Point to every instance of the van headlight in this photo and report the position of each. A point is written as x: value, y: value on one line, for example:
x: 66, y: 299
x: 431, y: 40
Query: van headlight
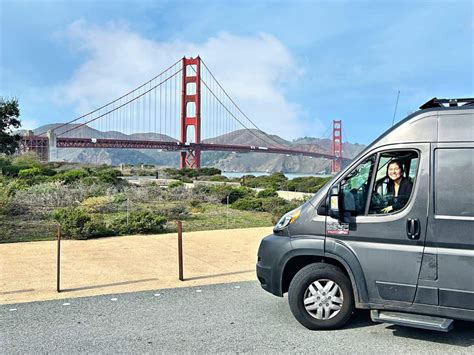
x: 287, y: 219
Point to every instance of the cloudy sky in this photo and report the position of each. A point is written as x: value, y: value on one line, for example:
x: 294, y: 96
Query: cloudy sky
x: 292, y: 66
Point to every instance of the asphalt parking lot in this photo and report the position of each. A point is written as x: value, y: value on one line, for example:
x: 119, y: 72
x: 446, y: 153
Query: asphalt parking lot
x: 231, y: 317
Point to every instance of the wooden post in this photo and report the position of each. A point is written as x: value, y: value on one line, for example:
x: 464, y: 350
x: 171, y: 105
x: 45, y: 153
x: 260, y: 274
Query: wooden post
x: 58, y: 267
x: 180, y: 250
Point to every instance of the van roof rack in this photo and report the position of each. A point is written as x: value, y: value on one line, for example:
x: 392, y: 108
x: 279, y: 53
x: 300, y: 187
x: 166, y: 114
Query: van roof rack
x: 435, y: 102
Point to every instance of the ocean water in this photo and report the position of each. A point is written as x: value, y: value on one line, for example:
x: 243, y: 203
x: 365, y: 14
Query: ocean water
x: 290, y: 176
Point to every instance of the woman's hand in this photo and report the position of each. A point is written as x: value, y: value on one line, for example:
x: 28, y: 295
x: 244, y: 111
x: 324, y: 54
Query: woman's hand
x: 387, y: 209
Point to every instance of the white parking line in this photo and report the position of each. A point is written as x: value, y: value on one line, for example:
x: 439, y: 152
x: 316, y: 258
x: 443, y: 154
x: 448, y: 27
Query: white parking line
x: 113, y: 299
x: 13, y: 309
x: 66, y: 304
x: 157, y: 294
x: 198, y: 290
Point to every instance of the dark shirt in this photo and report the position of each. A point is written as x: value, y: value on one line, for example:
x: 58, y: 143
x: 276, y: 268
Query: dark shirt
x: 404, y: 192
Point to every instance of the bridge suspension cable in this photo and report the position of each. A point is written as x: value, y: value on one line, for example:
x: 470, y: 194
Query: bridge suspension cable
x: 114, y: 101
x: 135, y: 98
x: 265, y: 135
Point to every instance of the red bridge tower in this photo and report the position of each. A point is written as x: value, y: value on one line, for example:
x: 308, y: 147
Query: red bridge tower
x: 191, y: 103
x: 336, y: 145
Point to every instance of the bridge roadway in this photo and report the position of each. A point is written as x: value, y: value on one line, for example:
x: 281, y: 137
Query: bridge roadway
x: 41, y: 144
x: 178, y: 146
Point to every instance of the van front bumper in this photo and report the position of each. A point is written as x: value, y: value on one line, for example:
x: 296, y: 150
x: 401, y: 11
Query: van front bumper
x: 270, y: 262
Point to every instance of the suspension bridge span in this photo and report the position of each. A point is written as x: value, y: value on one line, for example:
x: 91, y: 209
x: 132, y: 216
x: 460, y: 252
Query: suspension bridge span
x: 184, y: 109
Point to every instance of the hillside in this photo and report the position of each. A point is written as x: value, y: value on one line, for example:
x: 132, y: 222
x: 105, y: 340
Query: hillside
x: 226, y: 161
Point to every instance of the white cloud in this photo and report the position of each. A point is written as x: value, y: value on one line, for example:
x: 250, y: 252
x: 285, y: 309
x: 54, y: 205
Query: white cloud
x: 29, y: 124
x: 254, y: 70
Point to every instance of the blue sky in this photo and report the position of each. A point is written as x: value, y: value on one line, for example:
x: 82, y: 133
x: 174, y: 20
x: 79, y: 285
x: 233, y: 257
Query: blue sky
x: 316, y: 60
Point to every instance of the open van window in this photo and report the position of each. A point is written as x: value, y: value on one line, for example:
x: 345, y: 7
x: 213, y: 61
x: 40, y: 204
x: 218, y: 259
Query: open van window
x: 396, y: 175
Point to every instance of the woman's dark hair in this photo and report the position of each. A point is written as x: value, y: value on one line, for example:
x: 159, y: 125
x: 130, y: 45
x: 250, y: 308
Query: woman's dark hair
x: 399, y: 163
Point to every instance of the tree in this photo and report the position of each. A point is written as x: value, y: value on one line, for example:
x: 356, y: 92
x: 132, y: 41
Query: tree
x: 9, y: 113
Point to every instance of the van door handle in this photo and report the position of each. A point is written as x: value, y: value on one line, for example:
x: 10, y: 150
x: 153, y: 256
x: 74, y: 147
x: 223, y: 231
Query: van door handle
x: 413, y: 228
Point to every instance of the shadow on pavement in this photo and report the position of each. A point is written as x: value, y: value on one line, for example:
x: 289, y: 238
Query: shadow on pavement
x: 217, y: 275
x: 461, y: 335
x: 106, y: 285
x: 360, y: 319
x: 17, y: 291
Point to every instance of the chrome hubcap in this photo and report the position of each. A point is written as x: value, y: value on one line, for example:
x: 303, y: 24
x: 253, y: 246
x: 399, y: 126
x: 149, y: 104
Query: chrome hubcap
x: 323, y: 299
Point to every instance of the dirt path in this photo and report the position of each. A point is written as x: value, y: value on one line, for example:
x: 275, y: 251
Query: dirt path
x: 126, y: 264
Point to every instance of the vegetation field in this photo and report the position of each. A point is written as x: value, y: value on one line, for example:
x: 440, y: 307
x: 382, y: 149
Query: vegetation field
x: 91, y: 202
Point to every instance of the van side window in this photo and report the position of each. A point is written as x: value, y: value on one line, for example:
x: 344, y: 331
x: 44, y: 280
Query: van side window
x: 355, y: 187
x: 396, y: 175
x: 453, y: 182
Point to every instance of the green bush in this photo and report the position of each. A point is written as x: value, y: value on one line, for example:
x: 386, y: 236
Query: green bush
x: 177, y: 212
x: 248, y: 204
x: 234, y: 193
x: 209, y: 171
x: 96, y: 228
x: 75, y: 222
x: 194, y: 203
x: 78, y: 224
x: 4, y: 199
x: 29, y: 173
x: 139, y: 222
x: 310, y: 184
x: 120, y: 198
x: 267, y: 193
x: 32, y: 176
x: 72, y: 175
x: 175, y: 184
x: 99, y: 204
x: 29, y: 159
x: 271, y: 203
x: 12, y: 170
x: 108, y: 176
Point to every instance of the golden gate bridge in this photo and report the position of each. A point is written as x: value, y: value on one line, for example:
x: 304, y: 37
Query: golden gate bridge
x: 185, y: 109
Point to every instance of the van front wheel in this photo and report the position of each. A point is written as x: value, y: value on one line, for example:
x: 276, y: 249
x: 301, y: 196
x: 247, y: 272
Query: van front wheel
x: 321, y: 297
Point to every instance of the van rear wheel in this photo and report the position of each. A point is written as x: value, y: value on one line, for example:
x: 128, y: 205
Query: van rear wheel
x: 321, y: 297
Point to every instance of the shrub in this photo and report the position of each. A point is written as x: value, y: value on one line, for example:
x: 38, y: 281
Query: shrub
x: 139, y: 222
x: 194, y: 203
x: 234, y: 193
x: 108, y: 176
x: 29, y: 173
x: 29, y: 159
x: 209, y: 171
x: 100, y: 204
x: 248, y: 204
x: 4, y: 199
x: 271, y: 203
x: 267, y: 193
x: 12, y: 170
x: 32, y: 176
x: 71, y: 176
x: 175, y: 184
x: 120, y: 198
x: 75, y: 222
x: 4, y: 160
x: 218, y: 178
x: 177, y: 212
x: 96, y: 228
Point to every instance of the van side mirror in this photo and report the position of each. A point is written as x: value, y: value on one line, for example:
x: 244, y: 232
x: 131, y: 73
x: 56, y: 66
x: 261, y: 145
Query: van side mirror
x: 334, y: 198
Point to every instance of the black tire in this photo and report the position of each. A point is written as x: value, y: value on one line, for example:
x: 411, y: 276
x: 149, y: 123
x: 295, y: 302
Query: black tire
x: 299, y: 286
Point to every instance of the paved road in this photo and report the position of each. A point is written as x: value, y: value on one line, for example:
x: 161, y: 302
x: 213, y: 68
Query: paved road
x: 237, y: 317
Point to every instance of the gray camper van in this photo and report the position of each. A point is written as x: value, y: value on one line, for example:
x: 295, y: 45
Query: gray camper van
x: 393, y: 232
